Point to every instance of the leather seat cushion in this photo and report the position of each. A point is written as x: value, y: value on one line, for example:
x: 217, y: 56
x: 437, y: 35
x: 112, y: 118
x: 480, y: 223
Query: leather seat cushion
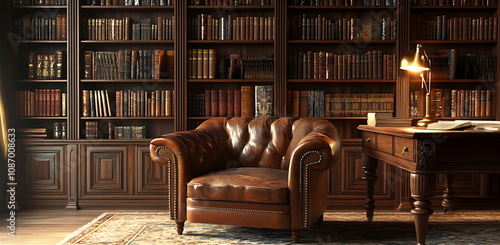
x: 246, y: 184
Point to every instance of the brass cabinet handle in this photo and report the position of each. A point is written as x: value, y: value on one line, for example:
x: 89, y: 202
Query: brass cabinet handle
x: 405, y: 150
x: 368, y: 140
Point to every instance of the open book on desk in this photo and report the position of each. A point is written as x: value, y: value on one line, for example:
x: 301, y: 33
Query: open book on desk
x: 465, y: 124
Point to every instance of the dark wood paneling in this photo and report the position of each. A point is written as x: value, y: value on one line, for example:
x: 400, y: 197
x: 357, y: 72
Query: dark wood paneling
x: 151, y: 177
x: 104, y: 171
x: 45, y: 170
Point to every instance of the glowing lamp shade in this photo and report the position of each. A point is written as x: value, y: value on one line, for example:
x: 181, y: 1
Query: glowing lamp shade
x: 415, y: 61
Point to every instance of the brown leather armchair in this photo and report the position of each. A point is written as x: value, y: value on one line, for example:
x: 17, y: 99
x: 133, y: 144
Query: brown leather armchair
x: 256, y: 172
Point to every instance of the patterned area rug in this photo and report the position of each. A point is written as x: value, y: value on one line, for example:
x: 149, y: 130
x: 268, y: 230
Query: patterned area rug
x: 337, y: 228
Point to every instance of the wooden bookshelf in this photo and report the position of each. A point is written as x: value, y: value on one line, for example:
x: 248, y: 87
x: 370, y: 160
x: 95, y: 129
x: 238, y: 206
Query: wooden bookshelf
x: 282, y: 42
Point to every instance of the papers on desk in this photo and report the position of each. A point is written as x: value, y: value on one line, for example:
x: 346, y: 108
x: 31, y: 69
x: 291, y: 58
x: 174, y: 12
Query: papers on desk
x: 466, y: 124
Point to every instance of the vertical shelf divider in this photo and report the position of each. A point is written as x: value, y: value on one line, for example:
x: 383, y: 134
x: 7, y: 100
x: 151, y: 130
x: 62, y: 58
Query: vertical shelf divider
x: 180, y: 71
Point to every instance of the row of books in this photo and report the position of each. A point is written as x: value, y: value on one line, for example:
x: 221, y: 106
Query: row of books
x: 130, y: 2
x: 342, y: 2
x: 249, y: 101
x: 232, y: 2
x: 38, y: 2
x: 126, y: 29
x: 156, y: 103
x: 40, y: 133
x: 101, y: 130
x: 41, y: 103
x: 202, y: 63
x: 317, y: 103
x: 31, y: 27
x: 480, y: 66
x: 454, y: 103
x: 46, y: 66
x: 442, y: 27
x: 444, y: 64
x: 321, y: 28
x: 129, y: 64
x: 209, y: 27
x: 454, y: 2
x: 327, y: 65
x: 127, y: 103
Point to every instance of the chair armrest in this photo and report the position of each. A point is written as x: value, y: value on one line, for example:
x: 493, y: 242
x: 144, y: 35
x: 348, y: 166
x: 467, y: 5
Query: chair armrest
x: 187, y: 155
x: 309, y: 158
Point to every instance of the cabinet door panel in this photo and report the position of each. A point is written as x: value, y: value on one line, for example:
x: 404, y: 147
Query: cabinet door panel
x: 45, y: 170
x: 104, y: 171
x: 151, y: 177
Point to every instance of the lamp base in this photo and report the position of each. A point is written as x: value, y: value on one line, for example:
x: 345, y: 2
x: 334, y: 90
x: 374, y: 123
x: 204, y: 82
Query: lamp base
x: 426, y: 121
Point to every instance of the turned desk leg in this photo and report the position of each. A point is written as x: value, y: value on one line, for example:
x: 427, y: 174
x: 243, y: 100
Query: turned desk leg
x: 370, y: 165
x: 422, y: 188
x: 449, y: 203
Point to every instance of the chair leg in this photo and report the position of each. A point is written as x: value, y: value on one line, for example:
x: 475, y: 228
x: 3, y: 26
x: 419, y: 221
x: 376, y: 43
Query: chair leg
x: 296, y: 235
x: 180, y: 227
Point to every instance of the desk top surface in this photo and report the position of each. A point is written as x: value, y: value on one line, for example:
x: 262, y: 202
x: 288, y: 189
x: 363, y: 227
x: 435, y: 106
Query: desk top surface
x: 420, y: 132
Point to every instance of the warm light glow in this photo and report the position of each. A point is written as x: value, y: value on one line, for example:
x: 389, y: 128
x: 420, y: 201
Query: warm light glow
x: 3, y: 122
x: 415, y: 62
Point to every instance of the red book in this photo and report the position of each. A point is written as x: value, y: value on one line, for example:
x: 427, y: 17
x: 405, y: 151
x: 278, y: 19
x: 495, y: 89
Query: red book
x: 230, y: 103
x: 237, y: 103
x: 214, y: 103
x: 222, y: 103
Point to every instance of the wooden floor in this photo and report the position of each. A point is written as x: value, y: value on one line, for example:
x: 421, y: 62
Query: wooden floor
x: 47, y: 226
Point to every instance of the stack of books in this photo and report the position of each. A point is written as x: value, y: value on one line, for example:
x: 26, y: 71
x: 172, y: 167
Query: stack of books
x: 40, y: 133
x: 385, y: 119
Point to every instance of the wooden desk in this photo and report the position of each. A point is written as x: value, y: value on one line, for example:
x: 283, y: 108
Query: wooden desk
x: 424, y: 153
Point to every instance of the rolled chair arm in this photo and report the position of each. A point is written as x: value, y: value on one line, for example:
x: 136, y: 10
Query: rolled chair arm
x: 188, y: 155
x: 308, y: 161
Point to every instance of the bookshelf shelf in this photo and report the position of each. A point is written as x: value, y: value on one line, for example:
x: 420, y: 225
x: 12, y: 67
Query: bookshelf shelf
x: 230, y: 81
x: 39, y: 7
x: 311, y: 42
x: 454, y: 8
x: 127, y: 118
x: 231, y: 8
x: 127, y: 42
x: 44, y: 41
x: 45, y: 118
x: 127, y: 81
x: 457, y: 80
x: 342, y: 8
x: 128, y: 8
x: 41, y: 81
x: 231, y: 42
x: 448, y: 42
x: 341, y: 80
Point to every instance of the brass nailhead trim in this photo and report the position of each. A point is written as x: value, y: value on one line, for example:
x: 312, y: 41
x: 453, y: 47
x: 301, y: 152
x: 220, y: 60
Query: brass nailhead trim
x: 239, y: 209
x: 306, y: 181
x: 172, y: 206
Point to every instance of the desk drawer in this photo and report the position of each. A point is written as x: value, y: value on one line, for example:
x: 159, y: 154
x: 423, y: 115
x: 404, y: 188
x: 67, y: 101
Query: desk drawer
x: 385, y: 143
x: 369, y: 140
x: 404, y: 148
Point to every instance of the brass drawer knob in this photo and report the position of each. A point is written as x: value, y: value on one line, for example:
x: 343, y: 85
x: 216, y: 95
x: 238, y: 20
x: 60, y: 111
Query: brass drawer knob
x: 405, y: 150
x: 368, y: 140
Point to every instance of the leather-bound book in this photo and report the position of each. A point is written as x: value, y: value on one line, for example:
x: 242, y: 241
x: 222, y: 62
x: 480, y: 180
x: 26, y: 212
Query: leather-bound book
x: 230, y: 103
x: 303, y: 101
x: 214, y: 105
x: 237, y: 103
x: 295, y: 103
x: 32, y: 62
x: 264, y: 100
x: 247, y: 101
x: 168, y: 103
x: 212, y: 64
x: 57, y: 102
x: 208, y: 103
x: 222, y: 103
